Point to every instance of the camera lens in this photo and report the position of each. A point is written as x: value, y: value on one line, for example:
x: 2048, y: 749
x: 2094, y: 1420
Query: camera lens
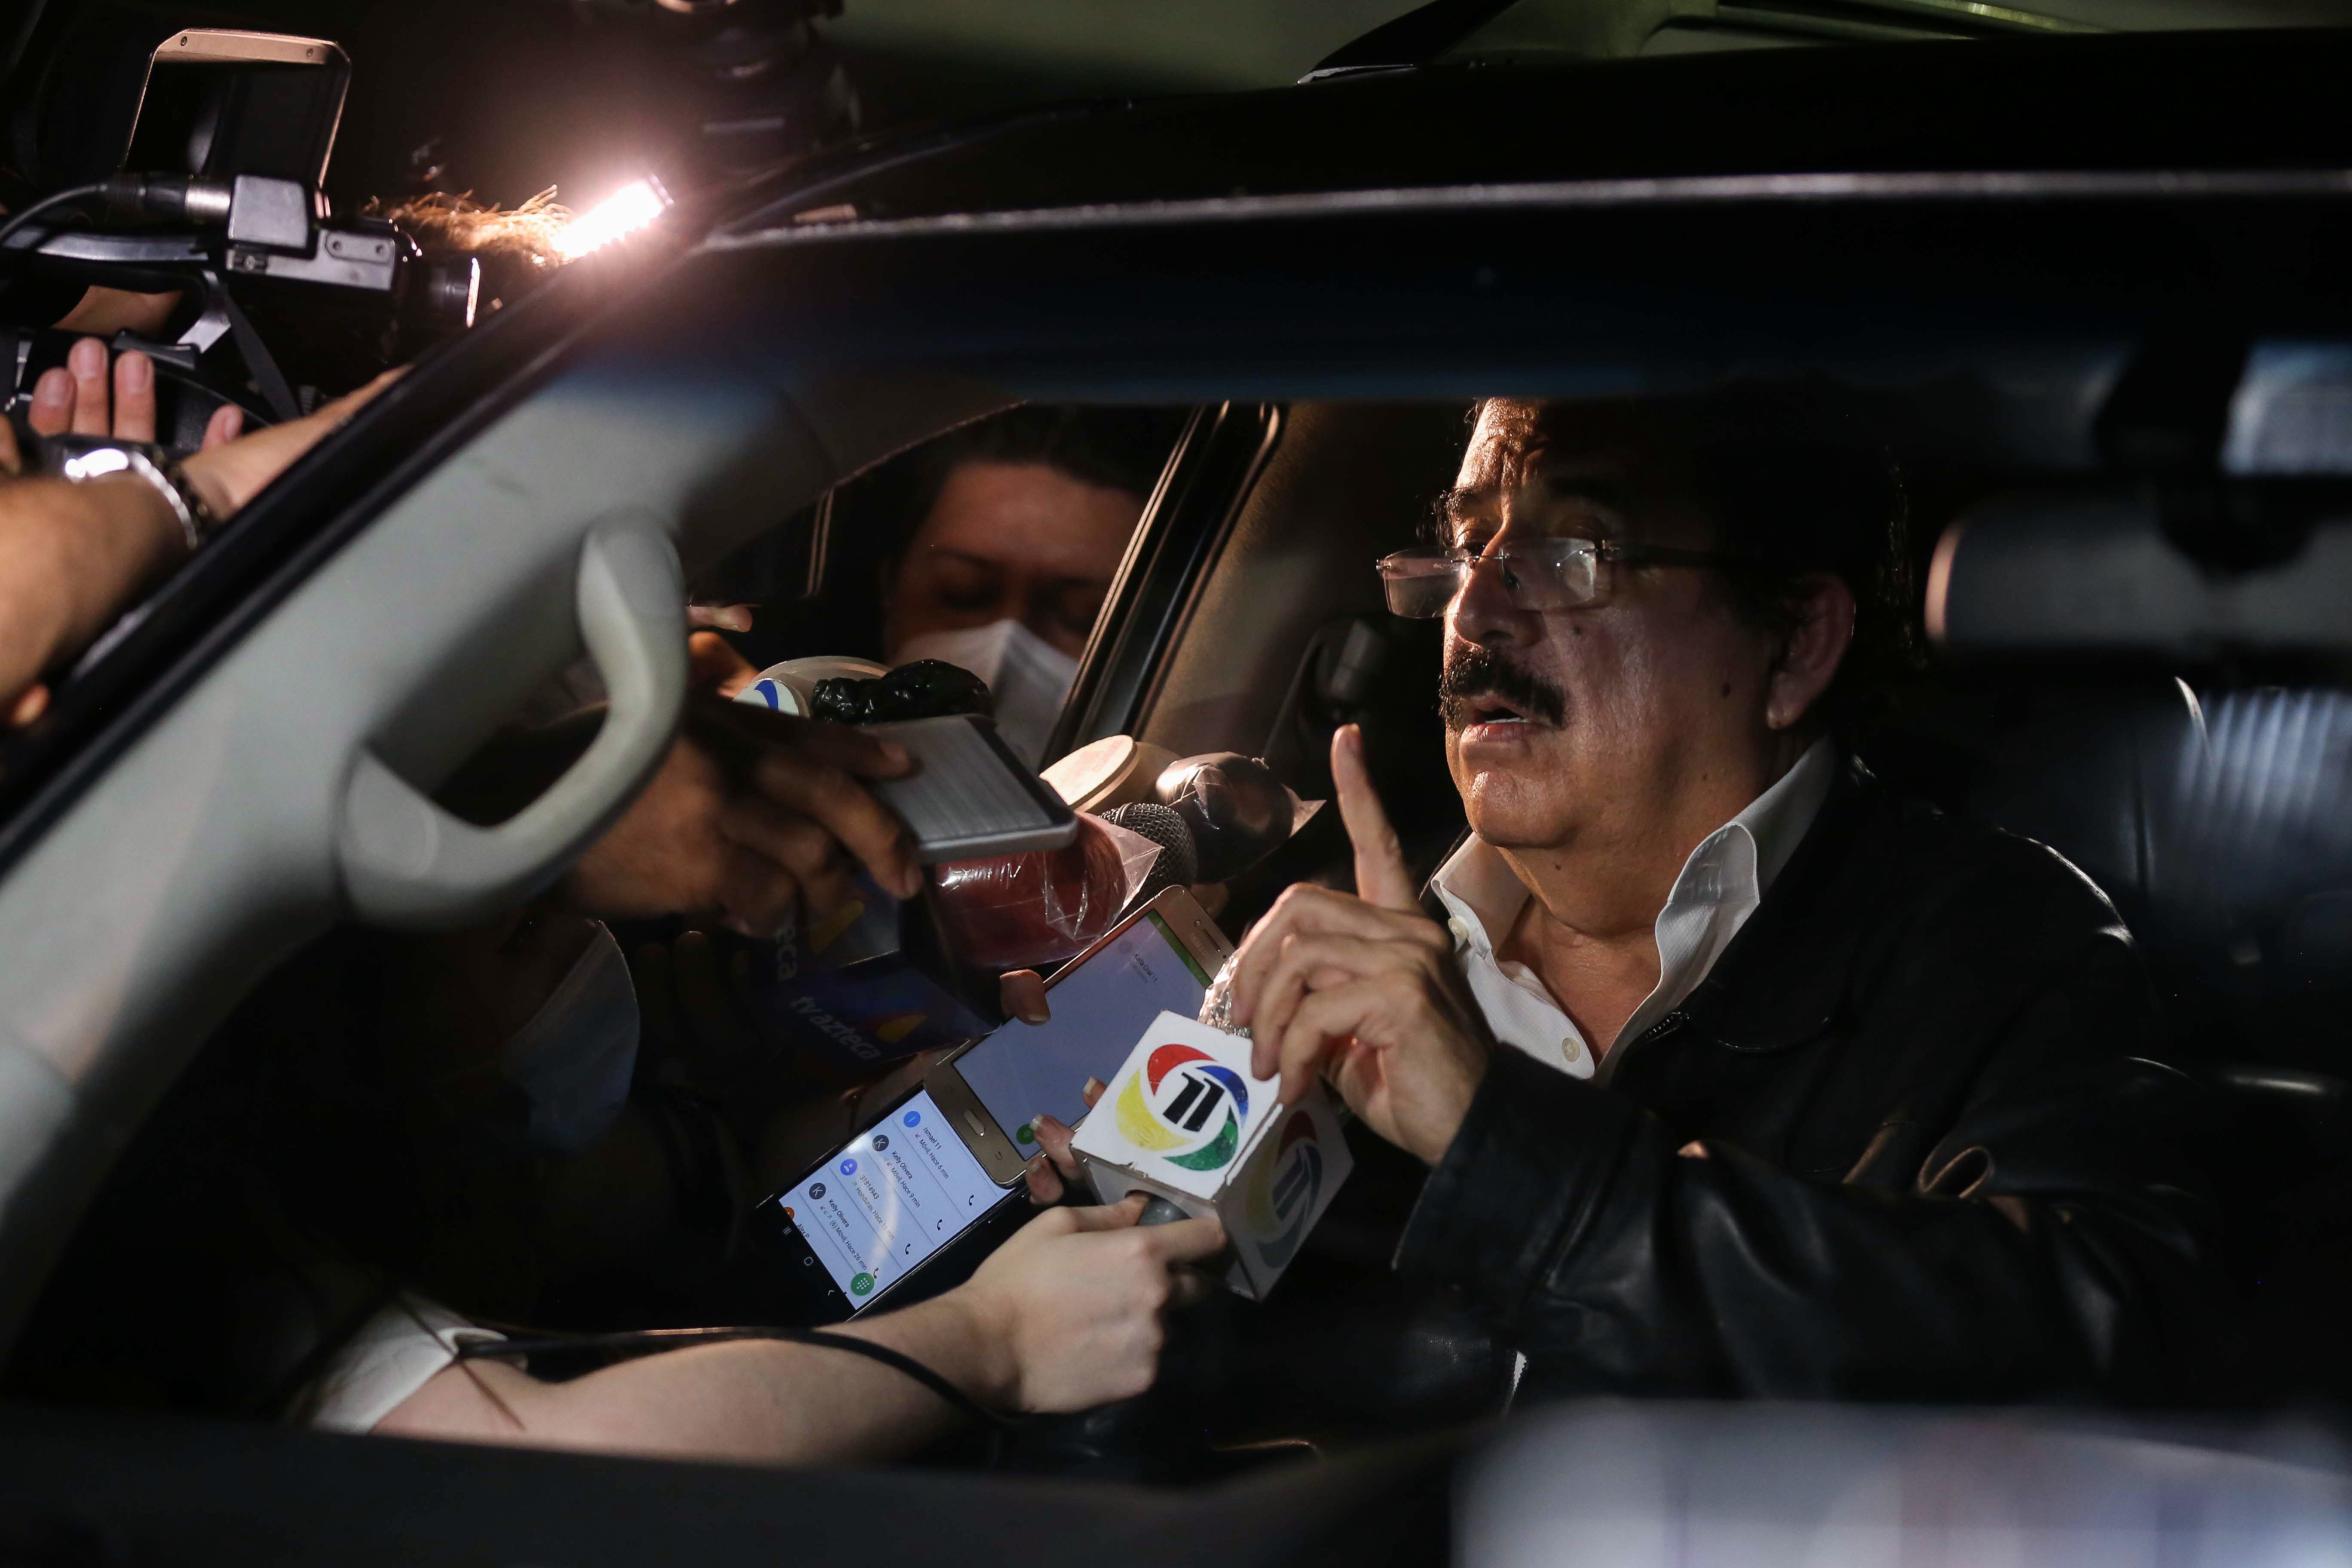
x: 442, y: 295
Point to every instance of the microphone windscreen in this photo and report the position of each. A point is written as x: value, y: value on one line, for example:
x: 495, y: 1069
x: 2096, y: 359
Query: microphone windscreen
x: 1179, y: 861
x: 1238, y: 811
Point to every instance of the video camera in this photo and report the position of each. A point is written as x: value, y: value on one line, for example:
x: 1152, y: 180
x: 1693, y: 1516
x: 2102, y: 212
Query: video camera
x: 152, y: 156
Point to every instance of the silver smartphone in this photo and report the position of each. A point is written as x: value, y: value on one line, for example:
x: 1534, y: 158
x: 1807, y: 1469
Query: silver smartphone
x: 946, y: 1158
x: 968, y: 795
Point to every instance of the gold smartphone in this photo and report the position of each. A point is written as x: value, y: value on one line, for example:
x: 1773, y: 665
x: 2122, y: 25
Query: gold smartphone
x: 1159, y: 958
x: 944, y: 1162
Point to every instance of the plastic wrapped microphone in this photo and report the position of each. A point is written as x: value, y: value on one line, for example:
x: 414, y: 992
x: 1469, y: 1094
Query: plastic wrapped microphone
x: 1014, y: 911
x: 1179, y: 862
x: 1239, y: 812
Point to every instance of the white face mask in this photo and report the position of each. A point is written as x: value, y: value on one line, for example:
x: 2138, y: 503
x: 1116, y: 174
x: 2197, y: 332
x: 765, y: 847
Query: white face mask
x: 573, y: 1060
x: 1028, y: 676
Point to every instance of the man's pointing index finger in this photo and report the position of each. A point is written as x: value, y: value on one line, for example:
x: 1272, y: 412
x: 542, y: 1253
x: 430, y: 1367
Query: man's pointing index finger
x: 1380, y: 874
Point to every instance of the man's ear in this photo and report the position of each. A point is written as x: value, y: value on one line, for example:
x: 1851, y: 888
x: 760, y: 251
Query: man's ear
x: 1812, y: 651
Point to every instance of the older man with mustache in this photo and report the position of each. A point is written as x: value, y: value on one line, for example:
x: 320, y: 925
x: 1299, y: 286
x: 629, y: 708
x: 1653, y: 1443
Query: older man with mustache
x: 1734, y: 1073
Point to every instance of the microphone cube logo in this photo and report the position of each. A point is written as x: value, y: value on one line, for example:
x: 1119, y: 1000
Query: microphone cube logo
x: 1283, y: 1189
x: 1184, y: 1119
x: 1185, y: 1107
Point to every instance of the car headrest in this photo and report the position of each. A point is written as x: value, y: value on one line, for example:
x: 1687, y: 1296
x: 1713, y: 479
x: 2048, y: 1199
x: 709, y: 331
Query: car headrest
x: 2088, y: 573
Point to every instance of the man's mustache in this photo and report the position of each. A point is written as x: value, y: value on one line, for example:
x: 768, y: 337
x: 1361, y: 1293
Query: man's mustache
x: 1472, y: 670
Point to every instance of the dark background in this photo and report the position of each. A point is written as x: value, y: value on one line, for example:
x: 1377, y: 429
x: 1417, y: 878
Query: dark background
x: 585, y: 95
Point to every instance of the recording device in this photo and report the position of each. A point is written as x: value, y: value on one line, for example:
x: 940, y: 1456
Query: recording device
x: 968, y: 795
x: 1237, y: 811
x: 1191, y: 1127
x: 1218, y: 814
x: 1178, y: 864
x: 906, y: 1209
x: 171, y: 158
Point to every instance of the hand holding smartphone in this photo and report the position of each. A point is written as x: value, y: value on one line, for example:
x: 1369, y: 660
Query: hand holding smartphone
x: 947, y: 1159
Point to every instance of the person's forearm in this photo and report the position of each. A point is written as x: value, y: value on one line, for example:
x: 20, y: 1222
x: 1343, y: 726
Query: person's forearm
x: 755, y: 1401
x: 72, y: 557
x: 949, y: 1335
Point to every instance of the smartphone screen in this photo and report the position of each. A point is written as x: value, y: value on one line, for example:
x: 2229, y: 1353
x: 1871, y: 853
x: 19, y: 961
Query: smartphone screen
x: 894, y: 1196
x: 1099, y: 1010
x: 968, y: 795
x: 900, y: 1192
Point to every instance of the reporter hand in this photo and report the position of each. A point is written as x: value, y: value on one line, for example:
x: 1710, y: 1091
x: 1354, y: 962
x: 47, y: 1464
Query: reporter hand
x: 1364, y: 988
x: 72, y: 557
x: 1051, y: 1173
x: 1072, y: 1309
x: 1022, y: 995
x: 1054, y: 1170
x: 76, y: 397
x: 754, y: 816
x: 712, y: 663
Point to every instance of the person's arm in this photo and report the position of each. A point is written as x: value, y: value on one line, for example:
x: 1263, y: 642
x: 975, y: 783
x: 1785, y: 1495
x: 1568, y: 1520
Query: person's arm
x: 73, y: 556
x: 1065, y: 1316
x: 753, y: 818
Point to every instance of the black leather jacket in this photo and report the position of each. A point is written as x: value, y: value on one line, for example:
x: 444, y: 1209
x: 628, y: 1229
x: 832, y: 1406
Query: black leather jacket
x: 1938, y: 1161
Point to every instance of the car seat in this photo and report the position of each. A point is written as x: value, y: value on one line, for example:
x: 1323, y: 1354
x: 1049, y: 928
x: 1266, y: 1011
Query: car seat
x: 2220, y: 825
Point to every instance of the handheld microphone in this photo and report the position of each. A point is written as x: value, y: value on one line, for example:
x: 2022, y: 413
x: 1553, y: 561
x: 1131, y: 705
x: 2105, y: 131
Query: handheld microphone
x: 1179, y: 861
x: 1239, y: 812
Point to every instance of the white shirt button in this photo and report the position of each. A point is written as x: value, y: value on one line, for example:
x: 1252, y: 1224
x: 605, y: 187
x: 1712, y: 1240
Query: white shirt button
x: 1571, y: 1050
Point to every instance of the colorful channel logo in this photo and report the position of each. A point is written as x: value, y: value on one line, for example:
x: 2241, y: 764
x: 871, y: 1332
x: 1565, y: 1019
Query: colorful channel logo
x: 1185, y: 1108
x: 1282, y: 1190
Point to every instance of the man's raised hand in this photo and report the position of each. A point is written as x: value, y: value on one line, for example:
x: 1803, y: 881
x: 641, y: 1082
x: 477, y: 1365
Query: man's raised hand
x: 1364, y: 988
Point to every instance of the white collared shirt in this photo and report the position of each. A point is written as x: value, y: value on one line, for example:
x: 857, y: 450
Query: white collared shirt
x: 1721, y: 883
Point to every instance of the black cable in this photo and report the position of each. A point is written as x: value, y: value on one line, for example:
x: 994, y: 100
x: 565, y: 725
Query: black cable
x: 72, y: 193
x: 133, y: 198
x: 672, y: 1339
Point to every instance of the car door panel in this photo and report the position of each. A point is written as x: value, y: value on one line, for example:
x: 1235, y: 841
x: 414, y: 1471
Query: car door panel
x: 209, y: 851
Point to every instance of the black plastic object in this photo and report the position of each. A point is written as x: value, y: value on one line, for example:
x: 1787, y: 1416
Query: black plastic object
x: 1238, y: 811
x: 1179, y: 863
x: 926, y: 688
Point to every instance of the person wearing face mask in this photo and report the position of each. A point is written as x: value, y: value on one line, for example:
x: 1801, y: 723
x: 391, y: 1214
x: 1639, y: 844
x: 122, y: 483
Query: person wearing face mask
x: 1024, y: 519
x: 572, y: 1060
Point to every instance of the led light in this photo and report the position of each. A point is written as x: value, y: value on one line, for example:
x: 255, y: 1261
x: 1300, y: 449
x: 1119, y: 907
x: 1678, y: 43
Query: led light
x: 626, y: 211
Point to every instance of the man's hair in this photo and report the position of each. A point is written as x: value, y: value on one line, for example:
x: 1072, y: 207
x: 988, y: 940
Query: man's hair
x: 1797, y: 481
